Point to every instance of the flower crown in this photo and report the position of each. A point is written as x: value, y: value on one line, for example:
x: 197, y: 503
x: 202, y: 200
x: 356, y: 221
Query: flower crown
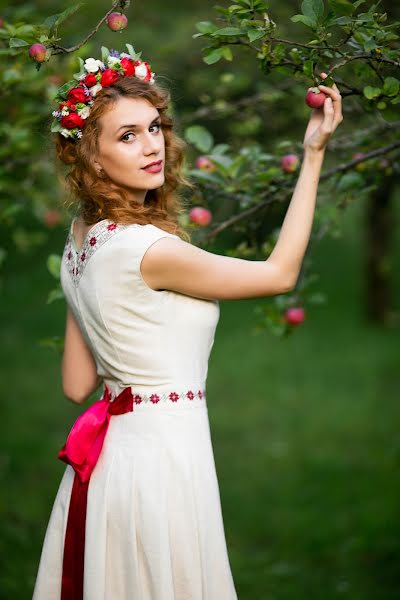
x: 76, y: 99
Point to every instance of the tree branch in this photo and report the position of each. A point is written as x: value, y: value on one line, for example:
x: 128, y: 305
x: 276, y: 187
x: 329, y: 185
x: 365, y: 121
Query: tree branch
x: 117, y: 4
x: 325, y: 175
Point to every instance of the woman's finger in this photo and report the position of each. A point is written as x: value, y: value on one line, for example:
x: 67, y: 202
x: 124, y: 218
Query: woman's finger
x: 335, y: 95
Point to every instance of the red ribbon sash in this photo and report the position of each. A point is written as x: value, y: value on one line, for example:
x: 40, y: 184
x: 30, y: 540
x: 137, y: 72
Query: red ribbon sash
x: 81, y: 451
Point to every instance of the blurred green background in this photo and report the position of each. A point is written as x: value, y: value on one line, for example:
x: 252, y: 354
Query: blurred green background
x: 305, y: 429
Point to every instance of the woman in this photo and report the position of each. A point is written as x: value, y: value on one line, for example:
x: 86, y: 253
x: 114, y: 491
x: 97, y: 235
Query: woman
x: 142, y: 309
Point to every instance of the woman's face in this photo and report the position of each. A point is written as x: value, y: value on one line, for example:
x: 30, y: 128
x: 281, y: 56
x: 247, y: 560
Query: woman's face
x: 131, y: 138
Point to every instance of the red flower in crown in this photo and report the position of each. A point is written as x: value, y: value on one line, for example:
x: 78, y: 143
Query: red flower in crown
x: 108, y: 77
x: 77, y: 94
x: 72, y: 120
x: 70, y: 105
x: 90, y: 79
x: 128, y: 66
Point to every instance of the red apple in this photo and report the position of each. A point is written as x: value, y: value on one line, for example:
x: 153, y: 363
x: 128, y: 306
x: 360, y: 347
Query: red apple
x: 361, y: 166
x: 294, y: 315
x: 289, y: 163
x: 315, y: 98
x: 200, y: 215
x: 204, y: 163
x: 117, y: 21
x: 52, y: 217
x: 38, y: 52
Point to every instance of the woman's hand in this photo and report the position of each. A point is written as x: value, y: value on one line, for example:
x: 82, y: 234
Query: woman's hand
x: 324, y: 120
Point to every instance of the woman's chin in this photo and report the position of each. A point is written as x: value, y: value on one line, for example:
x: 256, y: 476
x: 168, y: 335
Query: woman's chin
x: 159, y: 180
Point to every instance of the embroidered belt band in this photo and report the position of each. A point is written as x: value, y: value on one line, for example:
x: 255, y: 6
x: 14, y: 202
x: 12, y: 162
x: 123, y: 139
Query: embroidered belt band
x: 82, y: 450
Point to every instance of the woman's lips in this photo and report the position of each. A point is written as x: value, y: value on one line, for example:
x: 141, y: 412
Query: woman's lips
x: 154, y: 168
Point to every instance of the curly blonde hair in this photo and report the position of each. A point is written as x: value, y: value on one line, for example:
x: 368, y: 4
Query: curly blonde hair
x: 101, y: 198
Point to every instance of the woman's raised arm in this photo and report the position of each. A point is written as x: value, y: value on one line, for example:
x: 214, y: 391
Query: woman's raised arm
x: 179, y: 266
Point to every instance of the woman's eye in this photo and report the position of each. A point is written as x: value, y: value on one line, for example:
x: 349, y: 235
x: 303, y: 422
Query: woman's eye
x: 130, y: 133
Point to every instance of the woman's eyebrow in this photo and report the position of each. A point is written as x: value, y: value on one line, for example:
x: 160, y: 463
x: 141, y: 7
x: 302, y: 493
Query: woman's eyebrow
x: 137, y: 126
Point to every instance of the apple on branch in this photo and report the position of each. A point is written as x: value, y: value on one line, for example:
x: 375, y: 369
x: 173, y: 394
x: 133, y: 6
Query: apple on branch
x: 200, y: 215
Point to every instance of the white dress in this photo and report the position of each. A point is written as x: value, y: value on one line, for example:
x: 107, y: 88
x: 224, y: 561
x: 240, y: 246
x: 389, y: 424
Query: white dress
x: 154, y: 527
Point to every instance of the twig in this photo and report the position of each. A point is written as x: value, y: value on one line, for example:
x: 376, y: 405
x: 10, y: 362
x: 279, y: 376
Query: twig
x: 60, y: 49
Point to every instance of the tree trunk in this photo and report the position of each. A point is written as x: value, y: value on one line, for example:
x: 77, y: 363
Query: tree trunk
x: 379, y: 231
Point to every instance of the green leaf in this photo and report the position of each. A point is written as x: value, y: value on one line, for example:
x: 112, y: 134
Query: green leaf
x: 213, y: 56
x: 206, y: 27
x: 131, y: 51
x: 318, y: 7
x: 200, y: 137
x: 229, y: 31
x: 370, y: 44
x: 342, y: 7
x: 371, y: 92
x: 17, y: 42
x: 254, y: 34
x: 56, y: 126
x: 350, y: 181
x: 221, y: 149
x: 391, y: 86
x: 227, y: 53
x: 308, y: 68
x: 56, y: 294
x: 305, y: 20
x: 307, y: 9
x: 66, y: 13
x: 49, y: 22
x: 64, y: 89
x: 343, y: 21
x: 54, y: 265
x: 105, y: 53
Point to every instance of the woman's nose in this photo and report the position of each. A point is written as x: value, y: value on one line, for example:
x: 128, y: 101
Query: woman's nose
x: 152, y: 143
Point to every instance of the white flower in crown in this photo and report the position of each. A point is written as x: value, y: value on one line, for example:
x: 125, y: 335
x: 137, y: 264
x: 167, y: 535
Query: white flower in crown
x: 64, y: 112
x: 141, y: 71
x: 66, y: 133
x: 96, y: 88
x: 84, y: 112
x: 125, y: 55
x: 113, y: 60
x: 92, y: 65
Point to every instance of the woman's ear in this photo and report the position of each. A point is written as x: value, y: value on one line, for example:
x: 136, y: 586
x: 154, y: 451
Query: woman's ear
x: 99, y: 168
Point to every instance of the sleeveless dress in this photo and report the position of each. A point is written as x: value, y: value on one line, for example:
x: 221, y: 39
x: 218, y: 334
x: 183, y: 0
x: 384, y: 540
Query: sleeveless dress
x: 153, y: 528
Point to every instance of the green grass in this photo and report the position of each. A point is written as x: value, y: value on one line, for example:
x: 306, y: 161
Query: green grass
x: 305, y: 436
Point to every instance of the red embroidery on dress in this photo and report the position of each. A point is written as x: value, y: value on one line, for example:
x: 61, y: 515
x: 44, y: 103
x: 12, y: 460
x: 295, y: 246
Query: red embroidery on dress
x: 165, y: 396
x: 103, y: 230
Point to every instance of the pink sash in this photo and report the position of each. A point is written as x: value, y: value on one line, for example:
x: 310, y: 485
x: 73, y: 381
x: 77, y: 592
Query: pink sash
x: 81, y: 451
